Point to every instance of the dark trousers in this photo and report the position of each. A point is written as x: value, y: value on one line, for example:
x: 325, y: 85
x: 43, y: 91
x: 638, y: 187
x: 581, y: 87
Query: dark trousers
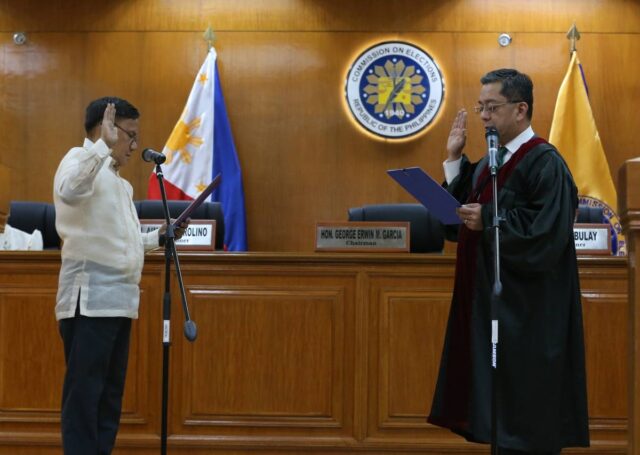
x: 96, y: 351
x: 502, y: 451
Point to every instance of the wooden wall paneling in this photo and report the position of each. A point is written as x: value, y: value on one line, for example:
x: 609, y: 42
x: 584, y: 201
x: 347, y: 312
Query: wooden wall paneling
x: 612, y: 93
x: 14, y: 92
x: 31, y: 355
x: 630, y: 226
x: 283, y: 76
x: 96, y: 16
x: 142, y: 395
x: 407, y: 332
x: 329, y: 353
x: 351, y: 163
x: 331, y: 164
x: 312, y: 15
x: 79, y: 70
x: 332, y: 169
x: 261, y: 330
x: 273, y: 361
x: 168, y: 67
x: 407, y: 322
x: 545, y: 58
x: 604, y: 296
x: 629, y: 206
x: 9, y: 116
x: 32, y: 362
x: 28, y: 359
x: 604, y: 293
x: 53, y: 108
x: 284, y: 119
x: 116, y: 65
x: 141, y: 414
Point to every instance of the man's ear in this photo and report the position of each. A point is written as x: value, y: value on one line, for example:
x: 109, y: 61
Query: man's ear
x: 523, y: 109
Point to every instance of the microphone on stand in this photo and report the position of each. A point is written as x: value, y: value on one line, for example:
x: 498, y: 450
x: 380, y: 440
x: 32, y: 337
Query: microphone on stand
x: 151, y: 155
x: 491, y: 133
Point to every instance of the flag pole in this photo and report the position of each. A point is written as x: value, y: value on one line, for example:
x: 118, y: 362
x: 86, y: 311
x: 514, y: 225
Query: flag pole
x: 209, y: 36
x: 573, y: 35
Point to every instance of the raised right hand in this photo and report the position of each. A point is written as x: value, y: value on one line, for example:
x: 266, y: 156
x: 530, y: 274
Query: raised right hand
x: 457, y: 136
x: 109, y: 132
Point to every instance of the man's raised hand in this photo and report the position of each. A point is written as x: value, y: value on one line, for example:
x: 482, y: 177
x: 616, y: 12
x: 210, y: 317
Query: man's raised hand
x: 109, y: 132
x: 457, y: 136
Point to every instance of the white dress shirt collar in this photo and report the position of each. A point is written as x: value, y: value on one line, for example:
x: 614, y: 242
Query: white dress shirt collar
x: 514, y: 144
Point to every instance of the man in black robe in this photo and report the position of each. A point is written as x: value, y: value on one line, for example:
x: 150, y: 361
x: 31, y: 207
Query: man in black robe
x: 541, y: 382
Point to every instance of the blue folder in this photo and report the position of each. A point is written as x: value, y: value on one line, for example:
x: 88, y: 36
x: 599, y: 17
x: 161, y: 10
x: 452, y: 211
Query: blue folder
x: 428, y: 192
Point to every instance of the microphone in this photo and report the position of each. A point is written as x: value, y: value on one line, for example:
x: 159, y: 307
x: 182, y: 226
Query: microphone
x: 491, y: 133
x: 151, y: 155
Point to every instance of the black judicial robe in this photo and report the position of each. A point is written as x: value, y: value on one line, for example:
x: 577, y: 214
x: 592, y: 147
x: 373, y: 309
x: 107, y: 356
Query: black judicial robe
x: 542, y: 402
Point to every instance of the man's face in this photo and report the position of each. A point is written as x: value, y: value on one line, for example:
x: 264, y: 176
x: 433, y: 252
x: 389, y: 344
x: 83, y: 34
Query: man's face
x: 508, y: 116
x: 127, y: 140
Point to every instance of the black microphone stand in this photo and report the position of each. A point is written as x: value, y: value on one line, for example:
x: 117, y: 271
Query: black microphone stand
x: 190, y: 329
x: 497, y: 291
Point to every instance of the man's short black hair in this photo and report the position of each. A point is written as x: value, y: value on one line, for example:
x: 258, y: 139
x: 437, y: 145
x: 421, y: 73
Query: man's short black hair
x: 516, y: 86
x: 95, y: 111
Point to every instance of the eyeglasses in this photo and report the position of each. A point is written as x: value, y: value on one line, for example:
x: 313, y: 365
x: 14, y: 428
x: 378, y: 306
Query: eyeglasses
x: 491, y: 108
x: 132, y: 136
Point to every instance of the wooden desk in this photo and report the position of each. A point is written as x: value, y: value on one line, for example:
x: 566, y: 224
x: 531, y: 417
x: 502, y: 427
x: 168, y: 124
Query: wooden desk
x: 296, y: 353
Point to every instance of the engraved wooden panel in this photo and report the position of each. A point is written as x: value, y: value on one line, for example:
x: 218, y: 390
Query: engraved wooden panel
x: 29, y: 354
x: 629, y: 206
x: 141, y: 415
x: 30, y: 348
x: 32, y: 359
x: 274, y: 356
x: 140, y: 388
x: 407, y: 322
x: 604, y: 297
x: 261, y: 330
x: 318, y: 353
x: 631, y: 225
x: 411, y: 332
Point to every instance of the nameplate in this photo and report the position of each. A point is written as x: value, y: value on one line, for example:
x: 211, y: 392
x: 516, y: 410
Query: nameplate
x: 592, y: 238
x: 199, y: 235
x: 381, y: 236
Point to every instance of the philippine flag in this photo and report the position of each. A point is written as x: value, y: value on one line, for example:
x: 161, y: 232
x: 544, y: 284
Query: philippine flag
x: 201, y: 146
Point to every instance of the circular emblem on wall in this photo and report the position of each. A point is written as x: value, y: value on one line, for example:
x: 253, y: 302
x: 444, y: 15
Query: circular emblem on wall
x: 618, y: 243
x: 394, y: 89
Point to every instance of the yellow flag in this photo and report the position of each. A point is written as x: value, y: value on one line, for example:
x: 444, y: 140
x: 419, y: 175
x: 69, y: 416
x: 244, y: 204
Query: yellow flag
x: 574, y: 133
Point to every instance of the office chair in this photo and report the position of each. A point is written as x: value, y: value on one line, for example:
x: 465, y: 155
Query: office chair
x: 427, y: 234
x: 27, y: 216
x: 587, y: 214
